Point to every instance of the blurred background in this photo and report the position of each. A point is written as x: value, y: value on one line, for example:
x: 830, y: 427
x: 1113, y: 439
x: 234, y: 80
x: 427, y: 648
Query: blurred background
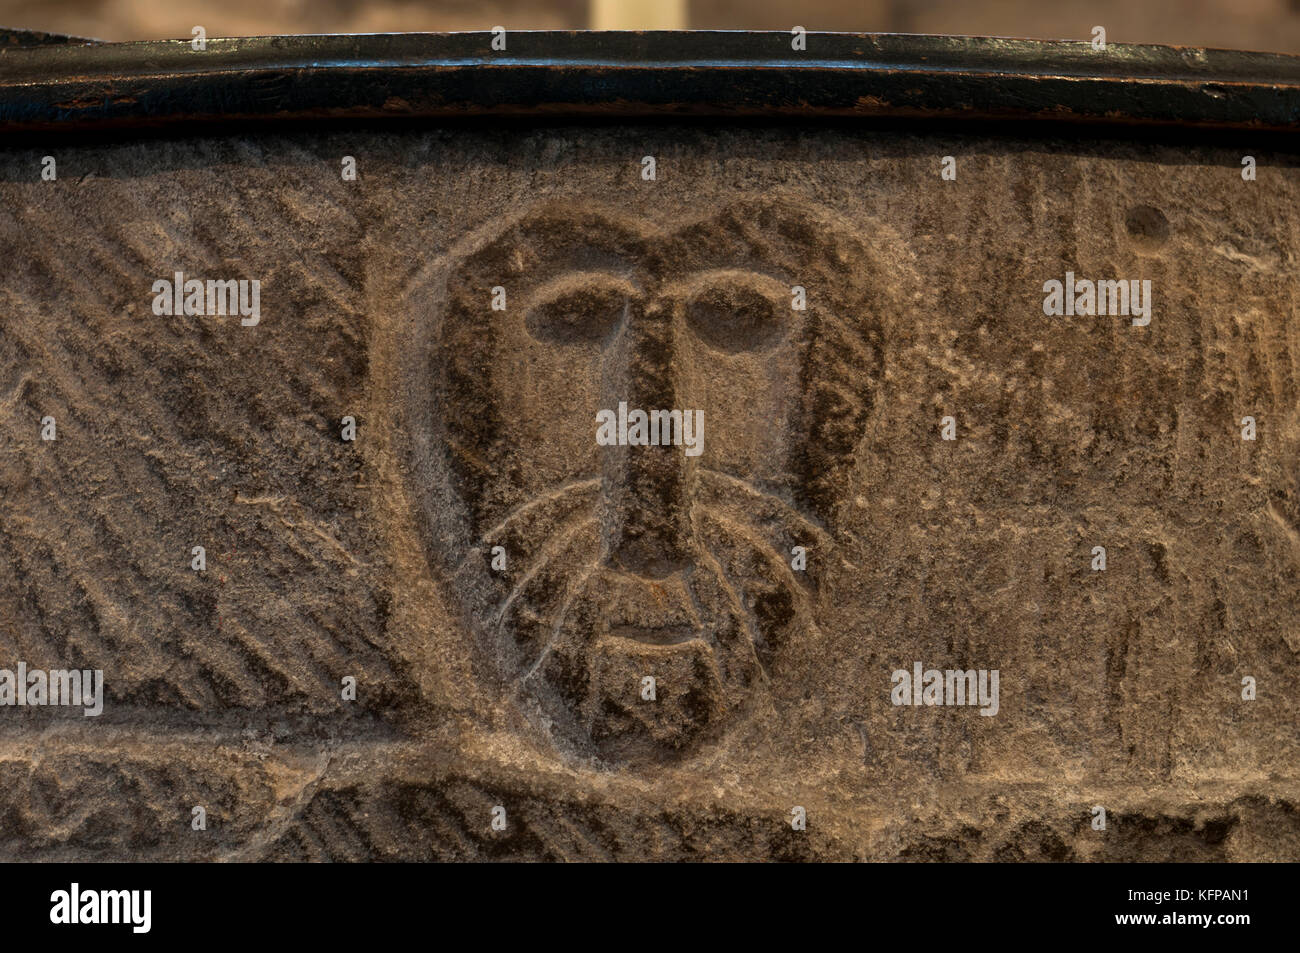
x: 1272, y: 25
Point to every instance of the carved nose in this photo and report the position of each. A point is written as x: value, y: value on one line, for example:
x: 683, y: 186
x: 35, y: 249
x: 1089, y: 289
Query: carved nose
x: 647, y: 507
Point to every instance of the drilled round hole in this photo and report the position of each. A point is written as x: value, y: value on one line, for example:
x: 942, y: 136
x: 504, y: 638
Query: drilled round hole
x: 1147, y: 226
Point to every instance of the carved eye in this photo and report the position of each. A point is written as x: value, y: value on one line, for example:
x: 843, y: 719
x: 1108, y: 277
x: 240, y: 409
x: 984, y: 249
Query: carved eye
x: 578, y: 309
x: 733, y: 315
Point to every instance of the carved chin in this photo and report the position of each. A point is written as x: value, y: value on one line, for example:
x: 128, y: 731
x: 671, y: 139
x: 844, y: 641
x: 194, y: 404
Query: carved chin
x: 639, y: 666
x: 632, y: 697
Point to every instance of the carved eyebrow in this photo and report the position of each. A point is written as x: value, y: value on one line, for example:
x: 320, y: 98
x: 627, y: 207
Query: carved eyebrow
x: 775, y: 289
x: 574, y: 282
x: 692, y: 284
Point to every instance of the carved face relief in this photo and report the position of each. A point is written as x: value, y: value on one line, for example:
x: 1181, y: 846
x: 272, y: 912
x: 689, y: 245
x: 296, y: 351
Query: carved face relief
x: 670, y: 561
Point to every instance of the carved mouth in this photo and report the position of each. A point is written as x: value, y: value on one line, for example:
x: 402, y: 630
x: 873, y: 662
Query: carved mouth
x: 655, y: 635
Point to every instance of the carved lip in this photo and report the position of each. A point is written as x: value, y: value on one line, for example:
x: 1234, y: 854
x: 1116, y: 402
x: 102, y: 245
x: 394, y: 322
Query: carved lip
x: 655, y: 635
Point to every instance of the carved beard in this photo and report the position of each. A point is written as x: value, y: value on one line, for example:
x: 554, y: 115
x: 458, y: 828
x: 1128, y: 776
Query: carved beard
x: 584, y: 634
x: 631, y: 563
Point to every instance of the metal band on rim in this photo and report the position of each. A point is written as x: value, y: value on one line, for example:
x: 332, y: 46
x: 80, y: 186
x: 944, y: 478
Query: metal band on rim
x: 64, y: 83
